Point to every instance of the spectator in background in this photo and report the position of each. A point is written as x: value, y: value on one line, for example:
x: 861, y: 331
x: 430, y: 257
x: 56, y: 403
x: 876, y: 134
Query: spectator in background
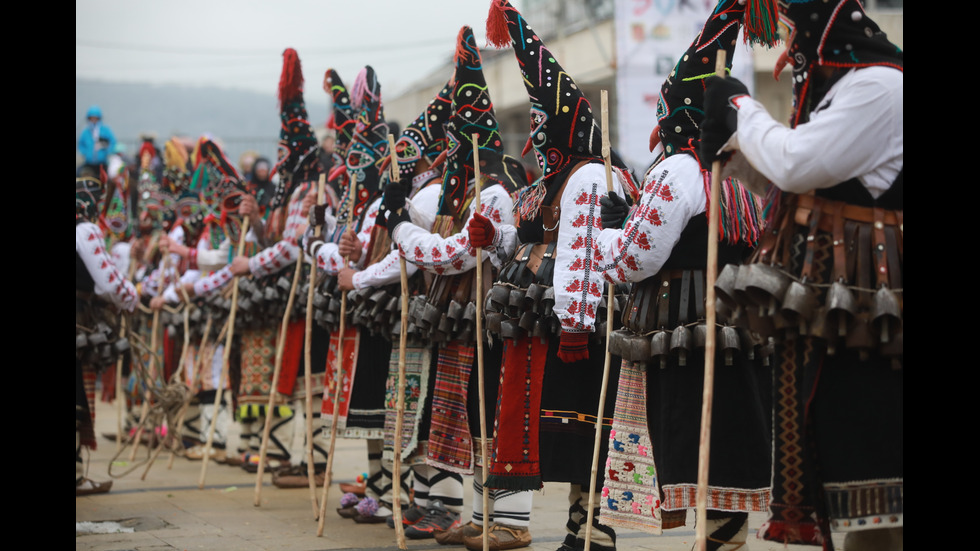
x: 95, y: 143
x: 246, y: 160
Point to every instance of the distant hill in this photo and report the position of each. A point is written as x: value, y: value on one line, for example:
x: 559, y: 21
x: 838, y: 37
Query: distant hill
x: 241, y: 120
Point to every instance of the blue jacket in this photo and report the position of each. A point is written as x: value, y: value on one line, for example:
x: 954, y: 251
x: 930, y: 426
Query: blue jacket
x: 90, y: 150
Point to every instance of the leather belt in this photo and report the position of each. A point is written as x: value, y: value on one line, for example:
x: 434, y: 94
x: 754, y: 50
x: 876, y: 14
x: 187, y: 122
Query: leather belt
x: 828, y: 211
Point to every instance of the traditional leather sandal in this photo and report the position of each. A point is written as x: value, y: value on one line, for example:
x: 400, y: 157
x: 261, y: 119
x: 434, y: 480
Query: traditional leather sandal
x: 500, y: 537
x: 456, y: 534
x: 86, y: 486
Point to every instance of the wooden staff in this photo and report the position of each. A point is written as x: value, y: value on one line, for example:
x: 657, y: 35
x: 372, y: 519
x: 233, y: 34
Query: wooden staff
x: 154, y: 342
x: 479, y: 344
x: 610, y: 312
x: 338, y: 374
x: 396, y: 486
x: 321, y: 191
x: 704, y: 450
x: 276, y: 371
x: 120, y: 399
x: 198, y: 363
x: 226, y: 358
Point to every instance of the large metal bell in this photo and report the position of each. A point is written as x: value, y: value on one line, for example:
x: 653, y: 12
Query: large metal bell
x: 430, y: 315
x: 469, y: 312
x: 455, y: 310
x: 765, y: 285
x: 516, y: 301
x: 660, y: 347
x: 493, y: 320
x: 616, y: 339
x: 270, y: 294
x: 497, y: 298
x: 860, y: 337
x: 532, y: 298
x: 121, y: 345
x: 700, y: 335
x: 725, y: 285
x: 841, y: 306
x: 510, y: 329
x: 284, y: 283
x: 681, y: 342
x: 547, y: 301
x: 635, y: 348
x: 799, y: 304
x: 886, y: 314
x: 729, y: 343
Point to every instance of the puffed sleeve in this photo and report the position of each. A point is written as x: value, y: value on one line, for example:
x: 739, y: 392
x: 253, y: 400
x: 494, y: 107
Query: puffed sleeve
x: 578, y: 280
x: 454, y: 254
x: 673, y: 193
x: 110, y: 283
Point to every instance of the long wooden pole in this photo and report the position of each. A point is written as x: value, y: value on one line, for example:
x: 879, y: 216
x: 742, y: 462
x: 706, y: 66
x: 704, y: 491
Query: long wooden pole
x: 321, y: 191
x: 229, y: 339
x: 475, y: 138
x: 704, y: 450
x: 154, y: 343
x: 276, y: 372
x: 610, y: 317
x: 120, y: 399
x: 396, y: 486
x: 197, y: 377
x: 338, y: 373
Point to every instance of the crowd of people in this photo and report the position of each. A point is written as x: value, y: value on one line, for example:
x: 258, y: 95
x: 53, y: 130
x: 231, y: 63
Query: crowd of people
x: 465, y: 319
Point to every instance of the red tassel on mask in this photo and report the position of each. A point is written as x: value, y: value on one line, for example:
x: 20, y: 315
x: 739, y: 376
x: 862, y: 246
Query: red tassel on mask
x: 460, y: 49
x: 497, y: 33
x: 291, y: 80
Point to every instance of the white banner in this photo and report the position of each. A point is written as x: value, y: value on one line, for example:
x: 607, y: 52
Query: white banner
x: 651, y: 36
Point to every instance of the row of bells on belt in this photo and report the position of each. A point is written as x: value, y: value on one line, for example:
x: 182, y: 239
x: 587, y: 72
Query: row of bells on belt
x: 513, y: 312
x: 687, y: 340
x: 375, y: 310
x: 263, y: 301
x: 770, y: 302
x: 100, y: 345
x: 428, y: 323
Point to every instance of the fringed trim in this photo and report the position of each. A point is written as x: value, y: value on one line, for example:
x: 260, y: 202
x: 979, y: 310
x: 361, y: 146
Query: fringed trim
x: 291, y: 80
x: 528, y: 203
x: 741, y: 211
x: 444, y: 225
x: 761, y: 22
x: 517, y: 483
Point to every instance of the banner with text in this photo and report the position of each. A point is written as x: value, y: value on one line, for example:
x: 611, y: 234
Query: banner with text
x: 651, y: 35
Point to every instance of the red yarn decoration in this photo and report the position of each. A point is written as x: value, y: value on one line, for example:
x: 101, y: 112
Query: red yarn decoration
x: 291, y: 81
x: 497, y: 33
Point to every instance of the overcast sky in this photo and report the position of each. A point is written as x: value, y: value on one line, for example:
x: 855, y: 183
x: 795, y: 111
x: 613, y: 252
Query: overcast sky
x: 239, y: 43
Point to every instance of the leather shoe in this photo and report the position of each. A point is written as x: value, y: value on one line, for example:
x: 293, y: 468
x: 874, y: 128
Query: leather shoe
x: 356, y: 489
x: 500, y: 537
x: 86, y: 486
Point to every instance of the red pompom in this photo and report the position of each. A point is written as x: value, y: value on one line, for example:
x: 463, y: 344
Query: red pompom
x: 497, y: 33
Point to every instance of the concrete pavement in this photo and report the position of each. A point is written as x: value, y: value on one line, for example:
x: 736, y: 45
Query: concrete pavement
x: 160, y: 506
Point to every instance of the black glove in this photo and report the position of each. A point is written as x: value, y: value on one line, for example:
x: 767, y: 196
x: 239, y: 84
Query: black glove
x: 394, y: 199
x: 396, y: 217
x: 720, y: 116
x: 613, y: 210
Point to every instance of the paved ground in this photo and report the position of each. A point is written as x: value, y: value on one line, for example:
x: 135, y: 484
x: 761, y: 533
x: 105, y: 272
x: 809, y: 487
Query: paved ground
x: 161, y: 506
